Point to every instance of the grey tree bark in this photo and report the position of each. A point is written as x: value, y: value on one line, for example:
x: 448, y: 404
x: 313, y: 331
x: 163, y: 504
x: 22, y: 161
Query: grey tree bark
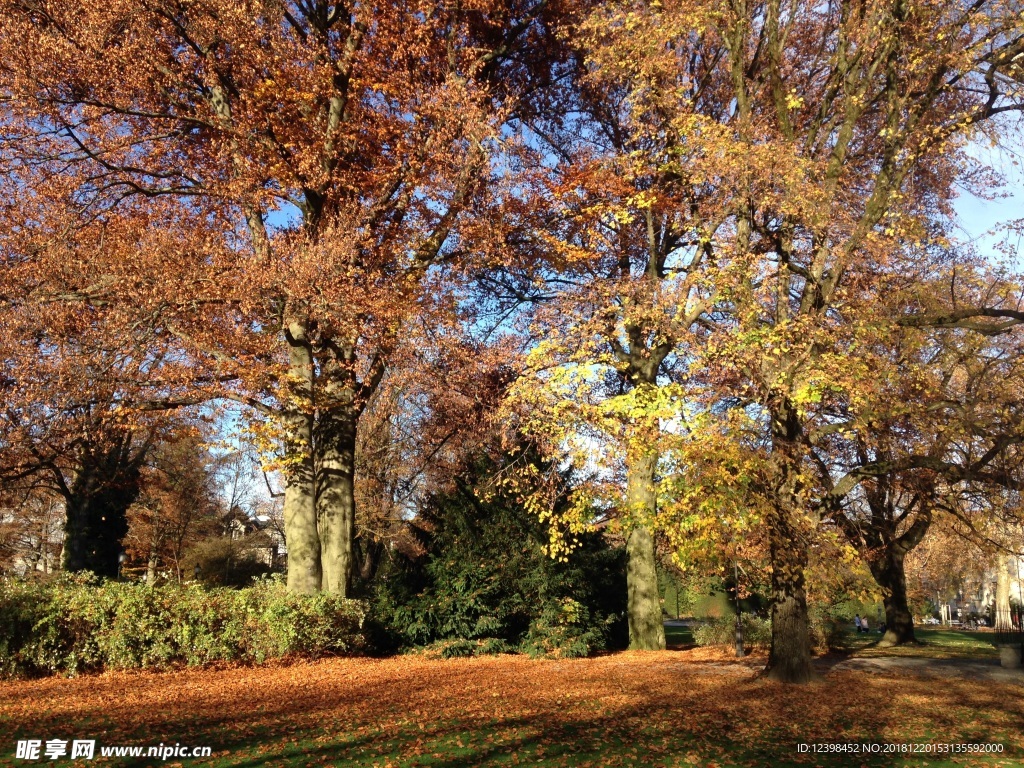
x: 304, y: 565
x: 335, y: 501
x: 646, y: 630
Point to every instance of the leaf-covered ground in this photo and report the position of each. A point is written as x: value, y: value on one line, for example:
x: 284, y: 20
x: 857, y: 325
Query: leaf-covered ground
x: 657, y: 709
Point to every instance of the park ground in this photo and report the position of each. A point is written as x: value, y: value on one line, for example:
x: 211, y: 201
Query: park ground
x: 695, y: 707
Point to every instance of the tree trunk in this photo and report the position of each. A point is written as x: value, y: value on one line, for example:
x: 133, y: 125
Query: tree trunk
x: 368, y: 555
x: 789, y: 660
x: 646, y: 629
x: 151, y: 568
x: 304, y: 570
x: 335, y: 500
x: 97, y: 503
x: 93, y: 532
x: 899, y: 623
x: 77, y: 535
x: 155, y: 540
x: 1003, y: 619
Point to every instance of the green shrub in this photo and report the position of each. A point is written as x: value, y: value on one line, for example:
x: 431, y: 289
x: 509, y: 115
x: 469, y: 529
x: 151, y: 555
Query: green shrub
x: 79, y: 624
x: 757, y: 632
x: 828, y: 621
x: 566, y: 630
x: 453, y: 649
x: 826, y: 629
x: 486, y: 579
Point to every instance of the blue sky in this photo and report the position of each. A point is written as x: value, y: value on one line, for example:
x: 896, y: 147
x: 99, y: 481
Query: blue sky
x: 981, y: 220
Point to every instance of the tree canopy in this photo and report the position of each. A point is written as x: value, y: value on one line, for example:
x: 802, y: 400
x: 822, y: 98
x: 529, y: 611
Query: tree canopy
x: 702, y: 257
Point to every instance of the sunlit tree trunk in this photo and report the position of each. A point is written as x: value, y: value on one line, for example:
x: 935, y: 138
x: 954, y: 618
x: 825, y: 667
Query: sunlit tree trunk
x: 335, y: 501
x: 304, y: 569
x: 151, y: 563
x: 790, y: 657
x: 646, y: 630
x: 1002, y: 617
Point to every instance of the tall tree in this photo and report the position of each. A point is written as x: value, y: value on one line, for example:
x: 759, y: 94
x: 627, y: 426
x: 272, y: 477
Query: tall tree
x: 177, y: 504
x: 276, y: 186
x: 618, y: 291
x: 834, y: 145
x: 947, y: 436
x: 70, y: 427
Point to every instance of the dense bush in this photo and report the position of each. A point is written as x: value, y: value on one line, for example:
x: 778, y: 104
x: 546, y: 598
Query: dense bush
x: 486, y: 585
x: 78, y: 624
x: 826, y: 631
x: 228, y: 562
x: 828, y: 622
x: 757, y: 632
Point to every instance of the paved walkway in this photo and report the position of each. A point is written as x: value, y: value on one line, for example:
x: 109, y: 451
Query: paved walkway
x: 971, y: 669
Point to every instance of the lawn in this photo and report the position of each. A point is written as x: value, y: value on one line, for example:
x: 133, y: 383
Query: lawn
x: 934, y: 644
x: 628, y: 709
x: 675, y: 636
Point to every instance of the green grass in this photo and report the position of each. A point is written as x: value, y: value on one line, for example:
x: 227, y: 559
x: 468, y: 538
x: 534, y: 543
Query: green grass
x: 678, y: 636
x: 941, y: 643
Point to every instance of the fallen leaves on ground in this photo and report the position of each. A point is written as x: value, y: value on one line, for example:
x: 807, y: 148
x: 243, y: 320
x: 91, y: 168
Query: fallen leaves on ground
x: 665, y: 709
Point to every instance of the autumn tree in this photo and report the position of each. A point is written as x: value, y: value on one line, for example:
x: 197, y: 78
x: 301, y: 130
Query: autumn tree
x: 70, y: 429
x: 432, y: 416
x: 946, y: 443
x: 831, y: 152
x: 276, y: 187
x: 177, y: 504
x: 616, y: 295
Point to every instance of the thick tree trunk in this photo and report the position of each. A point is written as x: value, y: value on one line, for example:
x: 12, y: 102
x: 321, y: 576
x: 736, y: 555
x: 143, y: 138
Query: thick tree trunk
x: 336, y: 506
x: 646, y: 630
x: 304, y: 571
x: 899, y: 623
x: 75, y: 544
x: 93, y: 532
x: 97, y: 503
x: 789, y: 659
x: 884, y: 552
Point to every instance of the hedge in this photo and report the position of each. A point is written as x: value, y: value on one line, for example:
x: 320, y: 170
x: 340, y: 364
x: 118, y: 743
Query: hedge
x: 80, y: 624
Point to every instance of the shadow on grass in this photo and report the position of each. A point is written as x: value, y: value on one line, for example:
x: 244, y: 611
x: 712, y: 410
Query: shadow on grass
x: 626, y: 710
x: 931, y: 644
